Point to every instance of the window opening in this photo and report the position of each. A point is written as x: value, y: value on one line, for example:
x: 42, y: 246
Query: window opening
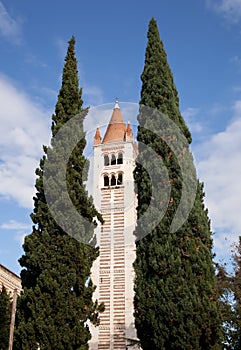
x: 113, y: 159
x: 106, y: 160
x: 113, y: 180
x: 119, y: 179
x: 120, y: 158
x: 106, y: 180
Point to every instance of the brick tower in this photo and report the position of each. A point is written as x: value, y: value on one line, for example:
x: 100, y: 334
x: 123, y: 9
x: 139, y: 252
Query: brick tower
x: 114, y: 197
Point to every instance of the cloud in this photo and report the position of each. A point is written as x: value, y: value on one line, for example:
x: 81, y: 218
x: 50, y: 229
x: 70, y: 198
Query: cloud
x: 216, y: 109
x: 21, y: 229
x: 189, y: 115
x: 237, y: 88
x: 219, y: 166
x: 14, y: 225
x: 33, y: 60
x: 229, y: 9
x: 61, y: 45
x: 92, y: 95
x: 24, y: 129
x: 10, y: 28
x: 235, y: 59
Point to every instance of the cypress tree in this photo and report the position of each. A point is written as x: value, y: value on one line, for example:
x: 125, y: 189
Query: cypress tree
x: 57, y: 292
x: 227, y: 311
x: 236, y: 289
x: 175, y: 285
x: 230, y: 296
x: 5, y: 316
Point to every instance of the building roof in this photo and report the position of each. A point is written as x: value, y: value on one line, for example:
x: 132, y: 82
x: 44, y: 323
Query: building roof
x: 116, y: 129
x: 97, y: 137
x: 9, y: 280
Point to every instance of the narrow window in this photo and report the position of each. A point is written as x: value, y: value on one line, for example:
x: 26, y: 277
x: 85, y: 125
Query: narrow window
x: 120, y: 158
x: 113, y: 159
x: 106, y: 160
x: 119, y: 179
x: 106, y: 180
x: 113, y: 180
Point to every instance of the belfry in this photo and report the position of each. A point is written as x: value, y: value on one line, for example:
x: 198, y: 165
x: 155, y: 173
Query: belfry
x: 114, y: 197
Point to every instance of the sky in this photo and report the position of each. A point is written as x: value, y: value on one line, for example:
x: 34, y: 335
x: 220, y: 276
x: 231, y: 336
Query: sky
x: 202, y: 39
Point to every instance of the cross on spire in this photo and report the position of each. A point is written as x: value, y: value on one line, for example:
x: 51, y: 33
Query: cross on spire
x: 117, y: 103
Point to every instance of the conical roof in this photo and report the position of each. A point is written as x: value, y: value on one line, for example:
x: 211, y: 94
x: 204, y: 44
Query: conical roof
x: 116, y: 128
x: 97, y: 137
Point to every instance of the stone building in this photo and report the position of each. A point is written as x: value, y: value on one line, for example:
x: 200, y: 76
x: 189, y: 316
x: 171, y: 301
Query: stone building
x: 9, y: 280
x: 114, y: 197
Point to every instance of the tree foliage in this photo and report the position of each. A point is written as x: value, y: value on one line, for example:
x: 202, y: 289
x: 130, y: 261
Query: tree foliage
x: 175, y: 286
x: 229, y: 284
x: 57, y: 292
x: 236, y: 288
x: 5, y: 316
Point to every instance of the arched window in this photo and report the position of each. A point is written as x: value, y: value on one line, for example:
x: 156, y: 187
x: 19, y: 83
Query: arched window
x: 113, y: 159
x: 113, y: 180
x: 120, y: 158
x: 106, y: 180
x: 106, y: 160
x: 120, y: 179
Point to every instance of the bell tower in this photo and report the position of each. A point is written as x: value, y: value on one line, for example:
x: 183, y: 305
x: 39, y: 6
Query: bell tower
x: 114, y: 197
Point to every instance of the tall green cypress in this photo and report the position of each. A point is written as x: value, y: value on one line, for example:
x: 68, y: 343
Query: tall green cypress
x: 175, y: 286
x: 230, y: 296
x: 236, y: 289
x: 57, y: 292
x: 5, y: 315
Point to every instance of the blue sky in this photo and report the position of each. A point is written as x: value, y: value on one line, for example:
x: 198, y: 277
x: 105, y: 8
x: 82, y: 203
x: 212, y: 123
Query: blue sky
x: 202, y: 39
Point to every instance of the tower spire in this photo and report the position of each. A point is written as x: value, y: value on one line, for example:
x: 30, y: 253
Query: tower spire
x: 117, y: 103
x: 116, y: 128
x: 97, y: 137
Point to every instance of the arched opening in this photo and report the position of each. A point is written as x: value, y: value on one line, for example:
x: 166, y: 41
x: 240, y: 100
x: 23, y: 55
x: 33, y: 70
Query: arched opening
x: 120, y: 158
x: 106, y: 180
x: 106, y: 160
x: 113, y: 180
x: 113, y: 159
x: 120, y: 179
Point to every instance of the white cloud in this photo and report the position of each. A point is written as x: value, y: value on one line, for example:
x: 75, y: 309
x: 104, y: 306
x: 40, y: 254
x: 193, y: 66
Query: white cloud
x: 189, y: 115
x: 237, y: 88
x: 20, y: 229
x: 10, y: 28
x: 216, y: 109
x: 14, y: 225
x: 33, y: 60
x: 229, y: 9
x: 235, y: 59
x: 24, y: 129
x: 219, y: 166
x: 62, y: 46
x: 92, y: 95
